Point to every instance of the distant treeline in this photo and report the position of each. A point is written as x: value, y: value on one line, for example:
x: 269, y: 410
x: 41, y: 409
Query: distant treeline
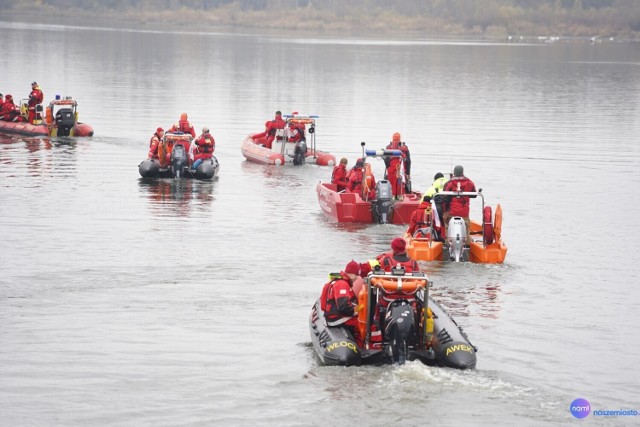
x: 476, y: 17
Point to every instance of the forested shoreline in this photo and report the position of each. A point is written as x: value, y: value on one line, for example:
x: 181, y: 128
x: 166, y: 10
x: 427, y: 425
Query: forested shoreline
x: 595, y: 19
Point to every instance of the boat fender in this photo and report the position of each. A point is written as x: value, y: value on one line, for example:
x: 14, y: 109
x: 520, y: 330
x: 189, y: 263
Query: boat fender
x: 396, y: 285
x: 497, y: 223
x: 487, y: 225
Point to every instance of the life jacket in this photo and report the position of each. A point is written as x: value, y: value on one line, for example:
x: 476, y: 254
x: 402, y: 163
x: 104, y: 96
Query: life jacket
x: 388, y: 261
x: 328, y: 302
x: 206, y: 143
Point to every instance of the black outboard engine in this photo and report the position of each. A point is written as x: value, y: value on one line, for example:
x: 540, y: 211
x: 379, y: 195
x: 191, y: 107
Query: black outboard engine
x: 400, y: 330
x: 179, y: 160
x: 382, y: 213
x: 300, y: 153
x: 65, y: 121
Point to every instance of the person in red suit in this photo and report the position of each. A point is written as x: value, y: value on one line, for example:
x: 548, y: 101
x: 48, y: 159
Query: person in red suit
x: 271, y: 128
x: 421, y: 220
x: 458, y: 206
x: 10, y: 111
x: 183, y: 126
x: 339, y: 302
x: 205, y: 146
x: 154, y: 142
x: 339, y: 175
x: 356, y: 178
x: 35, y: 98
x: 395, y: 169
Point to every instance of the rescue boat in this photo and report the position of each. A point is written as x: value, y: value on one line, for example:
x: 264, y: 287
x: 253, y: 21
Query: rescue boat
x: 61, y: 119
x: 255, y: 147
x: 346, y: 206
x: 486, y: 245
x: 411, y: 327
x: 175, y: 154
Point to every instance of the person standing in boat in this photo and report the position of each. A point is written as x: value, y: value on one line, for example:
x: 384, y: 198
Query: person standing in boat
x: 395, y: 169
x: 339, y: 175
x: 339, y: 302
x: 155, y: 142
x: 205, y: 145
x: 459, y: 205
x: 35, y: 98
x: 271, y: 128
x: 294, y: 133
x: 183, y: 126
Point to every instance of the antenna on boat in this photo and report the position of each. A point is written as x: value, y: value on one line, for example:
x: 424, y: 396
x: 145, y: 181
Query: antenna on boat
x: 362, y: 144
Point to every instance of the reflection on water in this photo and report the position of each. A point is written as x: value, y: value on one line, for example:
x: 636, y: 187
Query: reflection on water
x: 177, y: 197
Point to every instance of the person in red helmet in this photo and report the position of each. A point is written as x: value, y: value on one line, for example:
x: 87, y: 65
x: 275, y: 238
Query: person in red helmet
x: 420, y: 221
x: 294, y: 133
x: 397, y: 257
x: 458, y: 206
x: 35, y: 98
x: 339, y: 302
x: 183, y: 126
x: 339, y: 175
x: 154, y: 143
x: 205, y: 146
x: 272, y: 127
x: 398, y: 167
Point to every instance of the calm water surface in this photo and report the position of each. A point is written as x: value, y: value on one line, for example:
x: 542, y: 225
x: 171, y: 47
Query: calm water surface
x: 125, y: 302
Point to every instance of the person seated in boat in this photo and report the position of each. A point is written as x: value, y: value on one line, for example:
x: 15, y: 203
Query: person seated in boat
x: 10, y: 111
x: 294, y: 133
x: 154, y: 143
x: 421, y: 220
x: 437, y: 186
x: 35, y: 98
x: 205, y: 146
x: 357, y: 181
x: 396, y: 257
x: 339, y: 302
x: 183, y: 126
x: 458, y: 206
x: 339, y: 175
x: 271, y: 129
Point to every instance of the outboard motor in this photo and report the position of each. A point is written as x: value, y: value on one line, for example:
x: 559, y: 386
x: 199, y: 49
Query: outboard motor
x: 400, y: 330
x: 300, y: 153
x: 65, y: 120
x: 179, y: 160
x: 456, y: 238
x: 381, y: 207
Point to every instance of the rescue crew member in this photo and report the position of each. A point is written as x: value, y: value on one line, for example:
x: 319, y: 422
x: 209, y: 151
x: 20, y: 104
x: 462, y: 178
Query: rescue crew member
x: 154, y: 143
x: 458, y: 205
x: 437, y: 204
x: 355, y: 181
x: 35, y: 98
x: 271, y: 128
x: 205, y: 146
x: 183, y: 126
x: 420, y: 220
x: 341, y: 305
x: 10, y: 111
x: 397, y: 257
x: 394, y: 165
x: 294, y: 133
x: 339, y: 175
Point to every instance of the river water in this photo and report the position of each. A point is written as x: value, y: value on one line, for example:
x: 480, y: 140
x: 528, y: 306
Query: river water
x: 124, y: 302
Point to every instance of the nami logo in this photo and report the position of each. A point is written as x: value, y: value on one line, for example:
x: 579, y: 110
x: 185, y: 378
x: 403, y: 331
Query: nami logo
x: 580, y: 408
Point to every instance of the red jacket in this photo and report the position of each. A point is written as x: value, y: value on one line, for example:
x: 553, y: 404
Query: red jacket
x: 9, y: 111
x: 405, y: 157
x: 153, y: 146
x: 389, y: 260
x: 183, y: 126
x: 35, y: 97
x: 341, y: 301
x: 420, y: 218
x: 354, y: 180
x: 339, y: 177
x: 206, y: 143
x: 273, y: 125
x: 458, y: 206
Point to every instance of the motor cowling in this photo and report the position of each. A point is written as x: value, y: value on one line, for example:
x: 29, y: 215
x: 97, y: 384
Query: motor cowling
x: 456, y: 238
x: 383, y: 203
x: 179, y: 160
x: 300, y: 153
x: 400, y: 330
x: 65, y: 120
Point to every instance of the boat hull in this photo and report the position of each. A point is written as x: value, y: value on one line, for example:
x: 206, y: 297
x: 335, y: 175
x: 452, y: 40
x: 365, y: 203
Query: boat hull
x: 350, y: 207
x: 28, y: 129
x: 254, y: 151
x: 207, y: 170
